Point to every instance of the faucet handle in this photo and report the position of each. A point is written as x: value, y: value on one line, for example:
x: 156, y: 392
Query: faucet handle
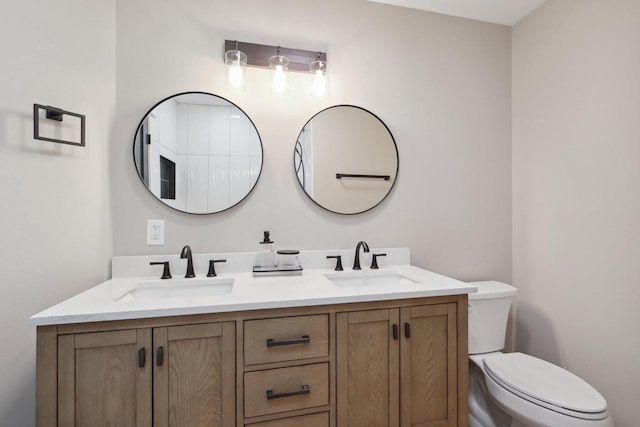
x: 212, y: 267
x: 166, y: 272
x: 338, y: 259
x: 374, y: 261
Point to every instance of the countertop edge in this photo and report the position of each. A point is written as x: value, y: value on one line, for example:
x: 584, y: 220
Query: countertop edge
x: 241, y: 306
x: 310, y: 289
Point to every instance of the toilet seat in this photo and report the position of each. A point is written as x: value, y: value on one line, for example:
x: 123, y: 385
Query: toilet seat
x: 545, y: 385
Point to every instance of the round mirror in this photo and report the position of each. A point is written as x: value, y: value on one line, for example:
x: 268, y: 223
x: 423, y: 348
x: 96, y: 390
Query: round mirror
x: 346, y: 159
x: 198, y: 153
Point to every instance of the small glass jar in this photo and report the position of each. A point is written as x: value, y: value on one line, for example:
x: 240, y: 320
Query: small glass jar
x: 288, y: 258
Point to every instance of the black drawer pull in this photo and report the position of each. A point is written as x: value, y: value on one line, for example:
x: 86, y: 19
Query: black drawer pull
x: 160, y: 356
x: 304, y: 340
x: 142, y: 357
x: 273, y: 395
x: 395, y: 331
x: 407, y: 330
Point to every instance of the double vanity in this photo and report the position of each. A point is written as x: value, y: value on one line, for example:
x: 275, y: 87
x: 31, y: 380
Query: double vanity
x: 374, y: 347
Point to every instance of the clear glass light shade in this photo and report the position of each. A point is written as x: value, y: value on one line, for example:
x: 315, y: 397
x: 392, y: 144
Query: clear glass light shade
x: 236, y: 62
x: 319, y: 85
x: 280, y: 72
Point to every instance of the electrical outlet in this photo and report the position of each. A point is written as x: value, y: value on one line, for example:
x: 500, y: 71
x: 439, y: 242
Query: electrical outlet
x: 155, y: 232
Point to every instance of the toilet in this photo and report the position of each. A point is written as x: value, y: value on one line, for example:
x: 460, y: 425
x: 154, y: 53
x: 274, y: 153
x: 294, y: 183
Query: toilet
x: 515, y: 389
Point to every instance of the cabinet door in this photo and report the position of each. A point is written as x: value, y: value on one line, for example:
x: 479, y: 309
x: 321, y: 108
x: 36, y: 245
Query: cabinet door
x: 194, y: 375
x: 428, y: 361
x: 104, y: 379
x: 367, y: 369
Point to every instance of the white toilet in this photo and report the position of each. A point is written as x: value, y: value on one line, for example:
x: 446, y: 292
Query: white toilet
x: 515, y: 389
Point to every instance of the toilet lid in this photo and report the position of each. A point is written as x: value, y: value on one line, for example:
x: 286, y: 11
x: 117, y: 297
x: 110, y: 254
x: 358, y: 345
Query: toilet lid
x: 537, y: 380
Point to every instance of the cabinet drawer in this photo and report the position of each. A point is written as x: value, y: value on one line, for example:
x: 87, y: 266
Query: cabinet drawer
x: 313, y: 420
x: 286, y: 338
x: 286, y: 389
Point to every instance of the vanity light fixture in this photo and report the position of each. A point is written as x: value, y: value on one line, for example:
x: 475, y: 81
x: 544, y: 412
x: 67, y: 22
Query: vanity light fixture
x: 241, y: 54
x: 279, y: 65
x: 319, y: 70
x: 236, y: 61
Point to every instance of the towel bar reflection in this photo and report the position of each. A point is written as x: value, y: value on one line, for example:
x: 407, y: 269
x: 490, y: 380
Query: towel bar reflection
x: 54, y: 113
x: 355, y: 175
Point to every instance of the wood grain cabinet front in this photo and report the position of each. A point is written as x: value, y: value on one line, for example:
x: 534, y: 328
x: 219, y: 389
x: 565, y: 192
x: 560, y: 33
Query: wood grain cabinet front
x: 194, y: 375
x: 104, y: 379
x: 398, y: 367
x: 286, y: 338
x: 313, y: 420
x: 400, y: 363
x: 286, y: 389
x: 185, y: 373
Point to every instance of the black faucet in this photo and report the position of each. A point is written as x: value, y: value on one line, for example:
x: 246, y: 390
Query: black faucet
x: 356, y: 261
x: 212, y: 267
x: 374, y: 261
x: 186, y: 253
x: 166, y: 272
x: 338, y: 259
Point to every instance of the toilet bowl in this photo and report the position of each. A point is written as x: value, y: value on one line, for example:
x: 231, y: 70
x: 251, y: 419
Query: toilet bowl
x: 515, y: 389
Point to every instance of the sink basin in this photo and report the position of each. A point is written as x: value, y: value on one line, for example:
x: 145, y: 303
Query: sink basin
x: 369, y: 279
x: 178, y: 288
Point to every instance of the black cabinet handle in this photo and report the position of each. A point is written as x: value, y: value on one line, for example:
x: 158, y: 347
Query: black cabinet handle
x: 142, y: 357
x: 407, y: 330
x: 395, y: 331
x: 305, y: 389
x: 306, y: 339
x: 160, y: 356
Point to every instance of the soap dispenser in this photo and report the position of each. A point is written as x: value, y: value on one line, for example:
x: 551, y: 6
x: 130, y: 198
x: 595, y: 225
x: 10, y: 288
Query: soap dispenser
x: 266, y: 256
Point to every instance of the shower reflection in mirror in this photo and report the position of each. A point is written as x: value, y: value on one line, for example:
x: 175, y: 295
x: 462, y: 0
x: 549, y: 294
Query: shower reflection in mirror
x: 198, y: 153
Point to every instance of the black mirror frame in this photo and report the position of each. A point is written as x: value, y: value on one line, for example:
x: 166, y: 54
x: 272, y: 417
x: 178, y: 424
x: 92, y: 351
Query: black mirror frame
x: 395, y: 145
x: 201, y: 93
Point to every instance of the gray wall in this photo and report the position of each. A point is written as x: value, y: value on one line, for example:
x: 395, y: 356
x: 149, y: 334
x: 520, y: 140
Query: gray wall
x: 441, y: 84
x: 55, y: 221
x: 576, y: 192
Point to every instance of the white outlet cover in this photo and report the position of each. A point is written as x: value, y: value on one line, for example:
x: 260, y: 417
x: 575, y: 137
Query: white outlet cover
x: 155, y: 232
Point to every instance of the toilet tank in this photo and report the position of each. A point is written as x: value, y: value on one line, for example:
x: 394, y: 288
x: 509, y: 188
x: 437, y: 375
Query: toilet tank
x: 488, y: 315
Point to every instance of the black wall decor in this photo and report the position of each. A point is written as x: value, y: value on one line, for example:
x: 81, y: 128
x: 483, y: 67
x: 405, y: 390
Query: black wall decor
x: 57, y: 114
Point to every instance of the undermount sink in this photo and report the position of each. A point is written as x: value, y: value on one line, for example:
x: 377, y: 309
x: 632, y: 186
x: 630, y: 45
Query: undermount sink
x: 370, y: 278
x: 178, y: 288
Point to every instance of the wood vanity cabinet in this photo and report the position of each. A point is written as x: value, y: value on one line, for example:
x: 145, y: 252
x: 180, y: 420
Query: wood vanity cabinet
x: 114, y: 379
x: 194, y: 375
x: 398, y: 367
x: 100, y: 381
x: 384, y: 363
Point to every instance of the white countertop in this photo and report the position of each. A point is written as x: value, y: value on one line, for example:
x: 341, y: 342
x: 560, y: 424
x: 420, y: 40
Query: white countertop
x: 311, y: 288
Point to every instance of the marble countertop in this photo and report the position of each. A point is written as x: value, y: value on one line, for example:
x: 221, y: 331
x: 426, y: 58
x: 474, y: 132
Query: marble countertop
x: 110, y: 300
